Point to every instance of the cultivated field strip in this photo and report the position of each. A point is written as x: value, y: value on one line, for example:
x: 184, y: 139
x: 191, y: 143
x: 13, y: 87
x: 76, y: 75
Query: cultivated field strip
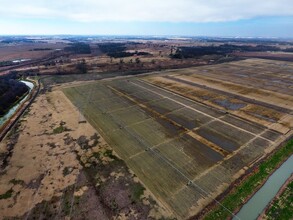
x: 185, y: 152
x: 133, y: 160
x: 203, y: 110
x: 256, y: 114
x: 274, y: 76
x: 231, y: 95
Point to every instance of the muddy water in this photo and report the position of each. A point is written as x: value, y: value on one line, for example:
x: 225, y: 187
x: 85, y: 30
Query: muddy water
x: 253, y: 208
x: 14, y: 108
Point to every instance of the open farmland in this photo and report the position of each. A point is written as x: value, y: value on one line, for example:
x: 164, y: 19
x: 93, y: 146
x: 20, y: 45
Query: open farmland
x: 189, y: 133
x: 27, y: 50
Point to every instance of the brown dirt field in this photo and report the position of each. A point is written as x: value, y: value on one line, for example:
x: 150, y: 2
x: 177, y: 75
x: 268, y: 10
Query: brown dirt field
x: 22, y: 51
x: 47, y: 167
x: 33, y: 157
x: 268, y: 55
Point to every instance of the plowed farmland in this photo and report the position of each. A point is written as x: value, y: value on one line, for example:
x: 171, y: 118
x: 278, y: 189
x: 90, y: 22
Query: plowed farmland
x: 189, y: 133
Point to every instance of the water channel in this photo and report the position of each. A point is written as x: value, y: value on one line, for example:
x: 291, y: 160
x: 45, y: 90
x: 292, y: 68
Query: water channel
x: 7, y: 116
x: 254, y: 207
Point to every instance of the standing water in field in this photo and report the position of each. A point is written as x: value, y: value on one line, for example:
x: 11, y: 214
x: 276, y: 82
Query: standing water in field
x: 15, y: 107
x: 253, y: 208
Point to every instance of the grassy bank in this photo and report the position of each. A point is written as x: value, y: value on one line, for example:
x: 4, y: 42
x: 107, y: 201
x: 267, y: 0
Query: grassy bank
x: 237, y: 196
x: 282, y: 207
x: 14, y: 104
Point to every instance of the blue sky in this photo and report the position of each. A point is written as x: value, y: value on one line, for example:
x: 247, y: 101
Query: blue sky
x: 243, y: 18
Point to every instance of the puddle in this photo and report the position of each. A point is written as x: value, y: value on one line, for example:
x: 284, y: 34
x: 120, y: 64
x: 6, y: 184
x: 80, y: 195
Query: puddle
x: 229, y: 105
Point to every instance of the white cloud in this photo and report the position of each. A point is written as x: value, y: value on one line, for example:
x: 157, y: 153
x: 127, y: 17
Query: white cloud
x: 146, y: 10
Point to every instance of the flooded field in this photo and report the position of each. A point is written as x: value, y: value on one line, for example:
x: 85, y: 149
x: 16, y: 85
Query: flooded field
x: 184, y: 147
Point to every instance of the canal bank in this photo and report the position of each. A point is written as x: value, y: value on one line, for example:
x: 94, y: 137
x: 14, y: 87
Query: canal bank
x: 281, y: 206
x: 240, y: 192
x: 259, y: 201
x: 14, y: 109
x: 5, y: 128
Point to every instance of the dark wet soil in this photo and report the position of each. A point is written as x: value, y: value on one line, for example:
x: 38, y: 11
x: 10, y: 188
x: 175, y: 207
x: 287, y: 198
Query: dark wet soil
x: 227, y: 104
x: 218, y: 139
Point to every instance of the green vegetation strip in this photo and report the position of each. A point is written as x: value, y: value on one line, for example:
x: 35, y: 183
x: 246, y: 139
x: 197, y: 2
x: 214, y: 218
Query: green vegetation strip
x: 235, y: 199
x: 6, y: 195
x: 137, y: 192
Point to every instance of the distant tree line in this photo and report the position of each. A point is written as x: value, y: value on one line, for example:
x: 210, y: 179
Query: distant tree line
x: 79, y: 48
x: 16, y: 40
x: 288, y: 50
x: 193, y: 52
x: 81, y: 67
x: 11, y: 90
x: 259, y: 41
x: 117, y: 50
x: 6, y: 63
x: 40, y: 49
